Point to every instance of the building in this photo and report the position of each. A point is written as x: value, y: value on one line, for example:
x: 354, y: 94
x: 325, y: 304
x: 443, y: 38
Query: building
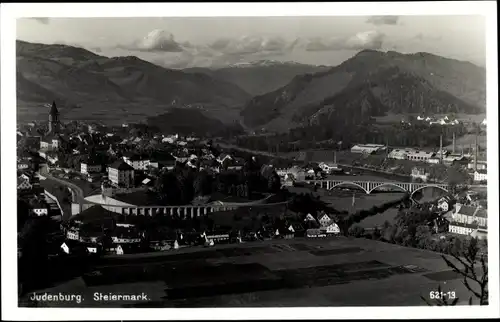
x: 445, y: 203
x: 23, y: 184
x: 121, y: 174
x: 367, y: 148
x: 419, y: 173
x: 481, y: 165
x: 466, y: 220
x: 480, y: 175
x: 324, y: 220
x: 398, y: 154
x: 39, y: 209
x: 54, y: 123
x: 138, y: 162
x: 90, y: 167
x: 331, y: 229
x: 419, y: 156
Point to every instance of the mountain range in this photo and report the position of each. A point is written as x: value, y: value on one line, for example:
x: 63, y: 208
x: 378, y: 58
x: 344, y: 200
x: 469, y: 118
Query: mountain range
x: 270, y: 94
x: 259, y: 77
x: 372, y: 83
x: 88, y: 85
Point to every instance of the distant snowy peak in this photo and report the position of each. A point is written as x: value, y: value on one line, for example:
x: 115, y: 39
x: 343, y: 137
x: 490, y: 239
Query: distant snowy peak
x: 263, y: 63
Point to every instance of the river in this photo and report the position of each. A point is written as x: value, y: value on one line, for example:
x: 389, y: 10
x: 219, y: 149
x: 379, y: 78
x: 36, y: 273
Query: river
x: 342, y: 200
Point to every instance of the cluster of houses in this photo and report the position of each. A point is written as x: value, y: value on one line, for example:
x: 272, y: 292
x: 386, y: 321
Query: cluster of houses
x: 441, y: 121
x: 98, y: 231
x: 469, y: 217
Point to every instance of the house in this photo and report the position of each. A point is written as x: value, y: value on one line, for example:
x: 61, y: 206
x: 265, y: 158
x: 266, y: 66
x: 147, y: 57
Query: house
x: 125, y: 235
x: 119, y: 250
x: 310, y: 217
x: 481, y: 165
x: 468, y: 229
x: 23, y: 184
x: 445, y: 203
x: 324, y: 220
x: 73, y: 234
x: 330, y: 229
x: 328, y: 168
x: 480, y: 175
x: 121, y: 174
x: 39, y: 209
x: 419, y: 173
x: 466, y: 219
x: 315, y: 233
x: 88, y: 167
x: 138, y: 162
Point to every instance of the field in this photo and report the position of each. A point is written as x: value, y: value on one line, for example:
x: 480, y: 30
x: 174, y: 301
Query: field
x: 300, y: 272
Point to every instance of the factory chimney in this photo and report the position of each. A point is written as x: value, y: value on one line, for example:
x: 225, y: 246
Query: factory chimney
x: 454, y: 143
x: 334, y: 157
x: 441, y: 149
x: 475, y: 153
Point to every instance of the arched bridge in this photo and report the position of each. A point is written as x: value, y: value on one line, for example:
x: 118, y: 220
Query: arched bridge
x: 369, y: 186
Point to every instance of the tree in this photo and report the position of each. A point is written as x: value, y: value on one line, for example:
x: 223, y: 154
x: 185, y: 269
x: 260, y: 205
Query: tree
x: 274, y: 182
x: 467, y: 260
x: 356, y: 231
x: 201, y: 184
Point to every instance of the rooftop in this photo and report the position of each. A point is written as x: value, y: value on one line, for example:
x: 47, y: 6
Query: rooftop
x: 94, y: 213
x: 121, y: 165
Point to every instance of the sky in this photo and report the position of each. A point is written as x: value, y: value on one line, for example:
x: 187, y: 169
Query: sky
x: 181, y: 42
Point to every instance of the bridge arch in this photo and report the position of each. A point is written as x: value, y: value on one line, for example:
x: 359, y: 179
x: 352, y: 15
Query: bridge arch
x: 388, y: 184
x: 429, y: 186
x: 351, y: 184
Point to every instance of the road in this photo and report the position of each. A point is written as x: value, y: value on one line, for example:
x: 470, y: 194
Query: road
x: 77, y: 191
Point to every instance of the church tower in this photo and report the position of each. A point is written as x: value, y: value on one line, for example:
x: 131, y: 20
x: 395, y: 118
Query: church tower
x: 54, y: 119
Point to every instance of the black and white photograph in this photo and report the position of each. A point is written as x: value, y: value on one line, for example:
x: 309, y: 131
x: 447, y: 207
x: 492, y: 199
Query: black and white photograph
x: 323, y: 160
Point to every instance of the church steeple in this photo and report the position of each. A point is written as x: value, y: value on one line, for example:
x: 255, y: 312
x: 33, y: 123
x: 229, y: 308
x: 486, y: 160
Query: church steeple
x: 54, y: 119
x: 53, y: 109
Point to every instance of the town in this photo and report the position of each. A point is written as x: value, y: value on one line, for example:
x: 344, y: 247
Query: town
x: 86, y: 190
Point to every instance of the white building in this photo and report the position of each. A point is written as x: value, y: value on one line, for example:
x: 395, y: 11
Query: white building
x: 121, y: 174
x: 468, y: 220
x: 419, y: 173
x: 481, y: 165
x: 73, y: 234
x: 137, y: 162
x: 420, y: 156
x: 367, y: 148
x: 40, y: 211
x: 324, y: 220
x: 444, y: 204
x: 480, y: 175
x: 86, y: 168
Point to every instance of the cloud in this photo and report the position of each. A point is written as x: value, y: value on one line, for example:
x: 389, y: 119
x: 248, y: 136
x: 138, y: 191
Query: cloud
x: 383, y: 20
x: 42, y: 20
x: 156, y: 41
x: 362, y: 40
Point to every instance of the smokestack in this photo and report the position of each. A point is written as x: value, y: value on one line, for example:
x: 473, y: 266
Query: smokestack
x: 475, y: 154
x: 334, y: 157
x: 441, y: 148
x: 454, y: 143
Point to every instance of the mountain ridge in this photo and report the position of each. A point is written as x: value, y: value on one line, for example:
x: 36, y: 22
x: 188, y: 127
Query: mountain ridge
x: 113, y: 87
x: 403, y: 83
